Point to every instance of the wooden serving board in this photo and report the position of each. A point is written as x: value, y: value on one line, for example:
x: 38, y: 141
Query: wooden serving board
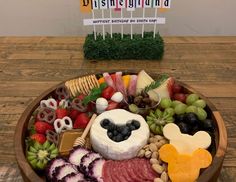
x: 209, y: 174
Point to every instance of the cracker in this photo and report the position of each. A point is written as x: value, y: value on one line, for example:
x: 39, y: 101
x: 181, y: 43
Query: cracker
x: 95, y: 81
x: 77, y: 85
x: 90, y: 84
x: 72, y: 88
x: 68, y: 85
x: 81, y: 86
x: 85, y: 85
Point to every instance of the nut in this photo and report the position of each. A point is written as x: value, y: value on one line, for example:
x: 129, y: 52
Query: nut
x: 141, y: 153
x: 146, y: 147
x: 159, y: 137
x: 153, y: 147
x: 164, y: 141
x: 164, y: 177
x: 151, y: 140
x: 158, y: 144
x: 155, y: 155
x: 154, y: 161
x: 158, y: 180
x: 158, y: 168
x: 148, y: 154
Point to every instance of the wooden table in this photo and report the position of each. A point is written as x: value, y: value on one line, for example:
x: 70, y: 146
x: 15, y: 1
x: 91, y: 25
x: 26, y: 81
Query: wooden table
x: 28, y: 66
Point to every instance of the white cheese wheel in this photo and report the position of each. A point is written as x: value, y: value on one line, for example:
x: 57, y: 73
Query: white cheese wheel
x: 126, y: 149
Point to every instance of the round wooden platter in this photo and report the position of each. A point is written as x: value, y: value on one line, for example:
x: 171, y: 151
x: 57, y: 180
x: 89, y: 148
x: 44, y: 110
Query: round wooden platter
x: 209, y: 174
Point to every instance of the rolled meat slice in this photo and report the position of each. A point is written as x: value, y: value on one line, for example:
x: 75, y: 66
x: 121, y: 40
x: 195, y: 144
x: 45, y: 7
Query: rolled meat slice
x: 109, y: 80
x: 120, y: 84
x: 132, y: 85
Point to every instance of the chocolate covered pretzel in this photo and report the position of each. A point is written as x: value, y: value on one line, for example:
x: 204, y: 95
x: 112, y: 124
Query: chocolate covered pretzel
x: 47, y: 114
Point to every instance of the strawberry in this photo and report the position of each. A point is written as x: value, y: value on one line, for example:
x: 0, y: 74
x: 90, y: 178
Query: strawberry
x: 38, y: 137
x: 61, y: 113
x: 81, y: 96
x: 73, y: 114
x: 112, y: 105
x: 41, y: 127
x: 81, y: 121
x: 108, y: 92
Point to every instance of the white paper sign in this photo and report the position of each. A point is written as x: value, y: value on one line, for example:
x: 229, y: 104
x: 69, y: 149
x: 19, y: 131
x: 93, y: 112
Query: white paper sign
x: 121, y: 3
x: 138, y: 3
x: 166, y: 3
x: 112, y: 4
x: 130, y: 5
x: 120, y: 21
x: 147, y: 3
x: 157, y: 3
x: 95, y: 4
x: 103, y: 4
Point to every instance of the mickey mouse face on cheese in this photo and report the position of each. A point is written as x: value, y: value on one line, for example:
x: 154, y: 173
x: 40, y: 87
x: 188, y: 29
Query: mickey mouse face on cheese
x: 125, y: 149
x: 184, y: 143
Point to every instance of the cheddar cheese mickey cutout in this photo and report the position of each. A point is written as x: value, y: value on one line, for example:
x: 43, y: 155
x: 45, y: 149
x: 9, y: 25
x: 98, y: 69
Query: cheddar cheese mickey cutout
x: 184, y: 167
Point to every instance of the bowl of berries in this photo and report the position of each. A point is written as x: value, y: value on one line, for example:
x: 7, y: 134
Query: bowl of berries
x: 120, y: 126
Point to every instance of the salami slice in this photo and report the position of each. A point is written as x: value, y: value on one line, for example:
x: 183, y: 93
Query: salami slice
x: 107, y: 171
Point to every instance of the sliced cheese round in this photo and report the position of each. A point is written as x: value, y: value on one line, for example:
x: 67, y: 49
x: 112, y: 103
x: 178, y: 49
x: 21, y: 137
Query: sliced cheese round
x: 126, y: 149
x: 184, y: 143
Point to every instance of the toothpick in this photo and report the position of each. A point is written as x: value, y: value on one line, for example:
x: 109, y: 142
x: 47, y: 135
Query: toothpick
x: 131, y: 28
x: 155, y: 25
x: 122, y: 27
x: 103, y: 26
x: 143, y: 23
x: 111, y: 24
x: 94, y: 27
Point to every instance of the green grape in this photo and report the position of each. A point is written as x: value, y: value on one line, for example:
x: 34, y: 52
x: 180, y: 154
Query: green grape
x: 175, y: 103
x: 191, y: 109
x: 169, y: 120
x: 149, y: 123
x: 200, y: 103
x: 158, y: 113
x: 158, y: 130
x: 133, y: 108
x: 180, y: 108
x: 170, y: 111
x: 201, y: 114
x: 149, y: 118
x: 165, y: 103
x: 153, y: 127
x: 191, y: 99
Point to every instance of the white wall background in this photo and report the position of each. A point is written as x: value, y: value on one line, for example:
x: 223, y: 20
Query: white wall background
x: 62, y: 17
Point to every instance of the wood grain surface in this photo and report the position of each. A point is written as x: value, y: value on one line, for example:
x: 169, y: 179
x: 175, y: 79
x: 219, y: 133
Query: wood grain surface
x: 30, y: 65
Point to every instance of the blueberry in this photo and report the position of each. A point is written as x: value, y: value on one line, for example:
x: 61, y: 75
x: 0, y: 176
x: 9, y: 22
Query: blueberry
x: 132, y: 127
x: 119, y: 138
x: 191, y: 118
x: 125, y: 131
x: 111, y: 126
x: 208, y: 125
x: 194, y: 129
x: 105, y: 123
x: 126, y: 137
x: 109, y: 134
x: 115, y: 132
x: 184, y: 128
x: 179, y: 118
x: 136, y: 124
x: 120, y: 128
